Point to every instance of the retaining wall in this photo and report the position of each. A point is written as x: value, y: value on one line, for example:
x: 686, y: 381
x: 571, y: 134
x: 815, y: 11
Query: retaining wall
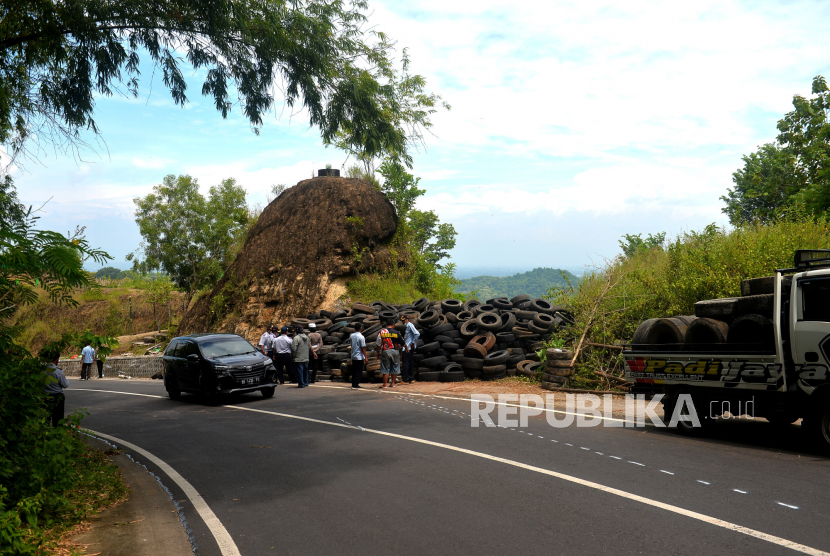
x: 135, y: 367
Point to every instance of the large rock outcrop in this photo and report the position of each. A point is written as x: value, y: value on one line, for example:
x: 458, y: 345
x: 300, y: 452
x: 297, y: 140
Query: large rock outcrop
x: 304, y: 246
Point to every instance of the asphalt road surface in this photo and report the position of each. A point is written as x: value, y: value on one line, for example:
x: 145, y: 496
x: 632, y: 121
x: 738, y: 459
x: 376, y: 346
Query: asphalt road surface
x: 371, y: 472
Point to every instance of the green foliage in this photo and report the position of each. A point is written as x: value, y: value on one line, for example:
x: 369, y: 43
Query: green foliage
x: 190, y: 238
x: 360, y: 173
x: 31, y: 258
x: 58, y: 56
x: 398, y: 110
x: 652, y: 283
x: 634, y: 244
x: 419, y: 230
x: 792, y: 173
x: 111, y: 273
x: 104, y: 344
x: 535, y: 283
x: 47, y: 480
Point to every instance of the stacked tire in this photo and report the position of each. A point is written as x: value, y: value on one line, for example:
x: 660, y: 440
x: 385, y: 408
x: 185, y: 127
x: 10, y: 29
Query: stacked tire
x: 558, y: 368
x: 458, y: 339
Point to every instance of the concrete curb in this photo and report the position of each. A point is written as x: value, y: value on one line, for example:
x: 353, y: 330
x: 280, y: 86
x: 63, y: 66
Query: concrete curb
x: 147, y: 524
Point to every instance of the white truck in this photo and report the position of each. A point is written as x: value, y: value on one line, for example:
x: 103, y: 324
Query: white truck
x: 765, y: 354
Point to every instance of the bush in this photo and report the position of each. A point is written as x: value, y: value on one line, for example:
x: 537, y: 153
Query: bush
x: 666, y: 280
x: 47, y: 480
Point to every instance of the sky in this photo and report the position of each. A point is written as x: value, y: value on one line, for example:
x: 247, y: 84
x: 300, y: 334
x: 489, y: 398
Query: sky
x: 572, y: 123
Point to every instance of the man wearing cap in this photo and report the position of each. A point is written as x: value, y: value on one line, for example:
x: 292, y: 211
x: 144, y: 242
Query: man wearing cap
x: 315, y: 361
x: 387, y: 348
x: 410, y: 341
x: 299, y: 352
x: 282, y: 355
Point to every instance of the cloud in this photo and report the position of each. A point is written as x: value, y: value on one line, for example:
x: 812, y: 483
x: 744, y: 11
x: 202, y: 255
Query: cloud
x: 155, y: 164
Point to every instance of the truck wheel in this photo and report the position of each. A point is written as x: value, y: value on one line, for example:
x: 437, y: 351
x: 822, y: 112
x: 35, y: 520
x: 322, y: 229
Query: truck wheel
x: 818, y: 426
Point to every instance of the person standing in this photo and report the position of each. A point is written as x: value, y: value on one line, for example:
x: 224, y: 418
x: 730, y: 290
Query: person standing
x: 410, y: 342
x: 282, y: 355
x: 99, y: 362
x: 388, y: 345
x: 358, y: 343
x: 263, y: 339
x: 54, y: 387
x: 87, y: 358
x: 299, y: 353
x: 315, y: 360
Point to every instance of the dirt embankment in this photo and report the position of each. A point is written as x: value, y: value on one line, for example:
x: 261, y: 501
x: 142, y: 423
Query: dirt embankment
x: 104, y: 313
x: 305, y: 243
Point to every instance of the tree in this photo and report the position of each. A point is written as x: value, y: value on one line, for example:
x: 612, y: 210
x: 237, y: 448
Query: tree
x: 56, y: 56
x: 430, y: 238
x: 31, y: 258
x: 405, y: 109
x: 111, y: 273
x: 634, y: 244
x: 159, y: 293
x: 793, y: 172
x: 188, y: 237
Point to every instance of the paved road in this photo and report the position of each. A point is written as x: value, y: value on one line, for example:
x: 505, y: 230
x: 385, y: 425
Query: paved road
x: 282, y: 485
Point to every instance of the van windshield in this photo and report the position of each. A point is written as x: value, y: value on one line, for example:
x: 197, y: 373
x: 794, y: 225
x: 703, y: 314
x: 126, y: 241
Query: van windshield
x: 221, y: 347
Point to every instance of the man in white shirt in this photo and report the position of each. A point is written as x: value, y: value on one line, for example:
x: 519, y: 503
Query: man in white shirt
x: 87, y: 358
x: 282, y: 355
x: 358, y: 343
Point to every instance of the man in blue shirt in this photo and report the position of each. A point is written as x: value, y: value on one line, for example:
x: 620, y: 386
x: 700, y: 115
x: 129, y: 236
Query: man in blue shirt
x: 87, y: 358
x: 410, y: 339
x: 358, y: 343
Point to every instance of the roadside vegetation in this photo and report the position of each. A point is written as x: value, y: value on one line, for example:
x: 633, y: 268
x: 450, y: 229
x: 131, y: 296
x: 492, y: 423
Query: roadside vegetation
x: 420, y: 244
x: 667, y: 278
x: 49, y: 480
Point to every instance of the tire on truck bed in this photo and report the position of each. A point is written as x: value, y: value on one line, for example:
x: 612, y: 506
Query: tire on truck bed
x: 707, y: 331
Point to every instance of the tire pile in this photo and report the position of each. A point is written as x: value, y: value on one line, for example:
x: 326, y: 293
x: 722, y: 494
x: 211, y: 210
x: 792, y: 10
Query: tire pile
x: 459, y: 340
x: 745, y: 321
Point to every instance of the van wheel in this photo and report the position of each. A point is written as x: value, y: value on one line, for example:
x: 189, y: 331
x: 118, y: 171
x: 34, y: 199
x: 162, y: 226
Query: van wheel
x: 172, y: 387
x: 268, y: 392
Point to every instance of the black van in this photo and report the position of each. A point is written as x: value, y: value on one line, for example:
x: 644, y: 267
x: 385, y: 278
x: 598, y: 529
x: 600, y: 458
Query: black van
x: 214, y: 364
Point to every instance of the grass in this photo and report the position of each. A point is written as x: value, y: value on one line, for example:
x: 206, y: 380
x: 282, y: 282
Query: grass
x: 389, y: 288
x: 98, y: 485
x: 667, y: 280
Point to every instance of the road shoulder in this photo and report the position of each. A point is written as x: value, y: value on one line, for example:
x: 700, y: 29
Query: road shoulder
x: 145, y: 524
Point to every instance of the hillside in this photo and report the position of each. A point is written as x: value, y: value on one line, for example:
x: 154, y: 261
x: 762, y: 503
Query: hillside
x: 534, y: 283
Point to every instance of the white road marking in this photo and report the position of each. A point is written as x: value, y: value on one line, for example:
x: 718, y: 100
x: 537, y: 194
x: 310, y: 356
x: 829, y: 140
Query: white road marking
x: 568, y: 444
x: 666, y: 472
x: 787, y: 505
x: 741, y: 491
x: 585, y: 415
x: 223, y: 538
x: 703, y: 482
x: 584, y: 448
x: 615, y: 457
x: 569, y: 478
x: 600, y: 453
x: 640, y: 464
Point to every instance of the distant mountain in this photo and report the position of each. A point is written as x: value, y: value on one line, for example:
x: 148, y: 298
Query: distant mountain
x: 534, y: 283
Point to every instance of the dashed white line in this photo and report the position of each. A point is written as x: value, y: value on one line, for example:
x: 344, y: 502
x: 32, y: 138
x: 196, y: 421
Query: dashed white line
x: 640, y: 464
x: 787, y: 505
x: 568, y: 444
x: 615, y: 457
x: 584, y: 448
x: 666, y: 472
x: 741, y: 491
x: 703, y: 482
x: 600, y: 453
